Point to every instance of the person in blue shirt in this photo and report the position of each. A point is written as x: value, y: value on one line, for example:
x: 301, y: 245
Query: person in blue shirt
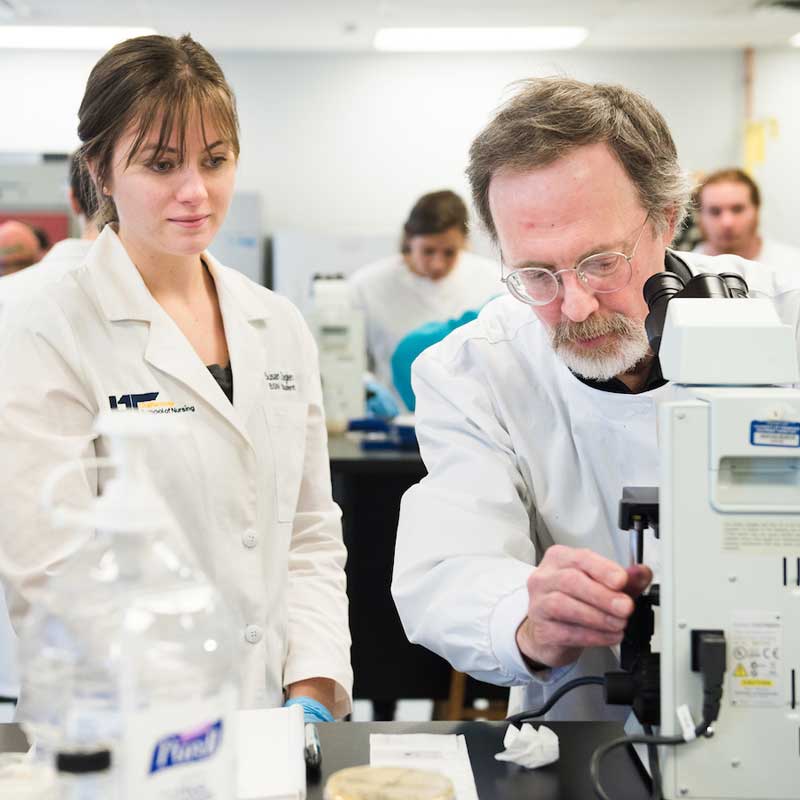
x: 414, y: 343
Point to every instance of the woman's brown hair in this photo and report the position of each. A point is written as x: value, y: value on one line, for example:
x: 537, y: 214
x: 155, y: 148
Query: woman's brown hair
x: 435, y: 212
x: 158, y: 84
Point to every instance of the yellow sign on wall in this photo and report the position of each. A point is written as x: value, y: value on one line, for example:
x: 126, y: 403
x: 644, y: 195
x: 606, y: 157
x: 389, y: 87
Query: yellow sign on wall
x: 756, y: 133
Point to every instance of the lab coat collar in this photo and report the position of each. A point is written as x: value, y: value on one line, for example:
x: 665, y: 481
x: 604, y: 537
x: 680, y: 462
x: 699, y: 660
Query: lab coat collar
x: 122, y: 292
x: 120, y: 289
x: 123, y: 296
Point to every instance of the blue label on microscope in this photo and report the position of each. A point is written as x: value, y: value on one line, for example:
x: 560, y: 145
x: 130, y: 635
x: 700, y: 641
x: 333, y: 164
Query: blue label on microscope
x: 776, y: 433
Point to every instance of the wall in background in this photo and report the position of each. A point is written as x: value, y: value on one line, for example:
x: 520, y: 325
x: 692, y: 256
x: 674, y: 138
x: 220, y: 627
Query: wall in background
x: 343, y: 144
x: 41, y: 93
x: 777, y: 76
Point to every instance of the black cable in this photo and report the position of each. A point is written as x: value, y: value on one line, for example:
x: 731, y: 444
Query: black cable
x: 711, y: 662
x: 524, y: 716
x: 655, y: 766
x: 604, y: 750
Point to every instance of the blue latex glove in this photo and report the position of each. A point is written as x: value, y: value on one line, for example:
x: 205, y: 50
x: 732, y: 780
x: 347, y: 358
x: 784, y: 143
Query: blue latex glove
x: 313, y: 710
x: 380, y: 402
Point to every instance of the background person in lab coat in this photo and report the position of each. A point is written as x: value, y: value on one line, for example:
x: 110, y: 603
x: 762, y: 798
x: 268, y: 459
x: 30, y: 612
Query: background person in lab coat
x: 432, y: 278
x: 533, y: 418
x: 65, y: 254
x: 728, y: 205
x: 152, y: 321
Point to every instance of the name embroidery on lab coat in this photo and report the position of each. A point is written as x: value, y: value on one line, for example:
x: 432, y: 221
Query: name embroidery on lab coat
x: 148, y: 401
x: 281, y: 381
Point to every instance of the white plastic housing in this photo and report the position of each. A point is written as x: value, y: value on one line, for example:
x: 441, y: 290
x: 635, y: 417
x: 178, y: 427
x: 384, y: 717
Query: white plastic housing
x: 727, y: 343
x: 339, y: 330
x: 730, y: 550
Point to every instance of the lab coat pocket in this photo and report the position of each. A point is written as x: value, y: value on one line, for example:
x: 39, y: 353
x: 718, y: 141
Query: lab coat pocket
x: 287, y: 427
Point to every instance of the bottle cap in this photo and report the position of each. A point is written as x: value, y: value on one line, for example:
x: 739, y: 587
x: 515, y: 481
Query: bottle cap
x: 79, y: 763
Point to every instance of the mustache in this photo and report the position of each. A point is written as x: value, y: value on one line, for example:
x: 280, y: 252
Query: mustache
x: 593, y: 327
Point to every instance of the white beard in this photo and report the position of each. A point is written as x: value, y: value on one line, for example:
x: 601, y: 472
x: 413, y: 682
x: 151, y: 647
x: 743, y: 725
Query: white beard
x: 628, y: 350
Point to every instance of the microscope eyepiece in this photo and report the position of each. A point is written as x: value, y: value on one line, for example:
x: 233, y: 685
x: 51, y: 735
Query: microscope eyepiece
x: 658, y: 290
x: 737, y: 286
x: 707, y: 285
x: 663, y: 286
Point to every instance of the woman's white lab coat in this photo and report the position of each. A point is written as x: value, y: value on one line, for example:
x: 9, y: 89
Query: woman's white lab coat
x: 249, y: 484
x: 521, y: 455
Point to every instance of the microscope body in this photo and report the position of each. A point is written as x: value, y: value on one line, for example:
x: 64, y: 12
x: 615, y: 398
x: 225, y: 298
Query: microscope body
x: 340, y: 332
x: 729, y: 508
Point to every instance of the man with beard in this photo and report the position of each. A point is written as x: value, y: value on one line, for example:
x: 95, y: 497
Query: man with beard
x: 532, y: 418
x: 728, y: 205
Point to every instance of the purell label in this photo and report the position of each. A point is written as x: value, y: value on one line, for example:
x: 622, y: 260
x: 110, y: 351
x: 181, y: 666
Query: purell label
x: 187, y: 748
x: 181, y: 750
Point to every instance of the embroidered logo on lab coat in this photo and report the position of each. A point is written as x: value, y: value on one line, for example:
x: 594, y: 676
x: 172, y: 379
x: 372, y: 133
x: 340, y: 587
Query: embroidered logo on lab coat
x: 281, y: 381
x: 148, y: 401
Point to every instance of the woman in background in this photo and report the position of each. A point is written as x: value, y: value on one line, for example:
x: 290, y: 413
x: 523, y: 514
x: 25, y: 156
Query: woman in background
x: 432, y: 278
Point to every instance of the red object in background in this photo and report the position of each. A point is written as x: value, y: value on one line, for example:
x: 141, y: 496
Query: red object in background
x: 54, y: 223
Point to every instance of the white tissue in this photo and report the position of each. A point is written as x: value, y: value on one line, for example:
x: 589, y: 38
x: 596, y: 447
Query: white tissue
x: 528, y: 747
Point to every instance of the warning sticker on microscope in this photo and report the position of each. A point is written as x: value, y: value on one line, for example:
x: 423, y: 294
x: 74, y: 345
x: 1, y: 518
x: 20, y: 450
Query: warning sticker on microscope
x: 755, y: 659
x: 780, y: 536
x: 764, y: 433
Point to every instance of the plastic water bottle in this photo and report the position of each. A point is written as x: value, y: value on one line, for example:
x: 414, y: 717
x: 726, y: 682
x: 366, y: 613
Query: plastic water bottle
x: 85, y: 776
x: 130, y: 648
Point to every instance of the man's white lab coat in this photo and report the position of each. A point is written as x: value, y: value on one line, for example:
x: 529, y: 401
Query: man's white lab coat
x: 249, y: 485
x: 521, y: 455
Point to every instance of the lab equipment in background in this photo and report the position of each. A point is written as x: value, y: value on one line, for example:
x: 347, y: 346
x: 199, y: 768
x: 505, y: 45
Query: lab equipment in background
x: 128, y: 648
x: 85, y: 776
x: 296, y: 254
x: 239, y: 241
x: 339, y: 331
x: 398, y: 433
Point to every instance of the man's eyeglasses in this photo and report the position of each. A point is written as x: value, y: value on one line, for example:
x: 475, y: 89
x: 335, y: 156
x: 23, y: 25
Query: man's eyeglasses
x: 602, y: 273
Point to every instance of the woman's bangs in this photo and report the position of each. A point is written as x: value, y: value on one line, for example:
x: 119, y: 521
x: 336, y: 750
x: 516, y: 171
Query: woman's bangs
x: 216, y: 108
x: 163, y: 122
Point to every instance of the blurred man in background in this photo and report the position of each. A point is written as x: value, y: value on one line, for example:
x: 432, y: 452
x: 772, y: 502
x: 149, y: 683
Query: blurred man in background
x: 64, y: 255
x: 728, y: 204
x: 19, y: 247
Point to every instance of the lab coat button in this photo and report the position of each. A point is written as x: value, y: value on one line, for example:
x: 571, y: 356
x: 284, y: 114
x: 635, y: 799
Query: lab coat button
x: 252, y: 633
x: 249, y: 538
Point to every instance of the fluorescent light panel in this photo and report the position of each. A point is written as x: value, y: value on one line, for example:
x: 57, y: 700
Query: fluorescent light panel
x: 795, y: 40
x: 66, y: 37
x: 431, y: 40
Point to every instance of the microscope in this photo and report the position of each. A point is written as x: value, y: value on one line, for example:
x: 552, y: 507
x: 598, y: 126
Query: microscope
x: 339, y: 330
x: 723, y: 688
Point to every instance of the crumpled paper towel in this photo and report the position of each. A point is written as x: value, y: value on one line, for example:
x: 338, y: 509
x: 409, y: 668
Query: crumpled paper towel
x: 528, y: 747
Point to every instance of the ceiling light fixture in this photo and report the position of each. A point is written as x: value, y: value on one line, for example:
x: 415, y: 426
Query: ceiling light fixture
x: 795, y: 40
x: 65, y: 37
x: 433, y: 40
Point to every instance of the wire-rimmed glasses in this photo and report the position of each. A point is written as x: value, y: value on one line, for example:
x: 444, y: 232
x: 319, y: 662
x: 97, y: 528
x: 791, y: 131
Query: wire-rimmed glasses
x: 601, y: 272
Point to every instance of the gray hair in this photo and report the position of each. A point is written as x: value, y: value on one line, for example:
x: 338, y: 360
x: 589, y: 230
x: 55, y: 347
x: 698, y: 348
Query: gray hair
x: 550, y: 117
